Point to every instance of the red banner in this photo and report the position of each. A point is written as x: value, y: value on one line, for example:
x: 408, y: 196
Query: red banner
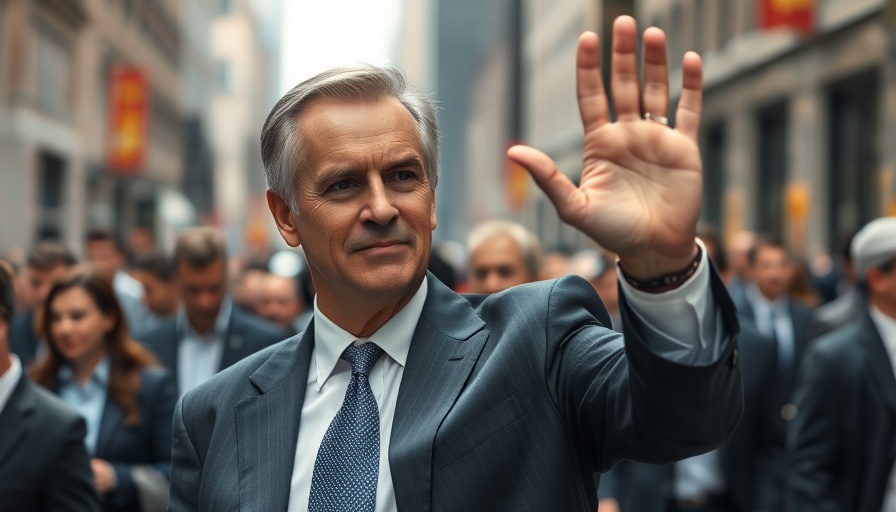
x: 797, y: 15
x: 128, y: 120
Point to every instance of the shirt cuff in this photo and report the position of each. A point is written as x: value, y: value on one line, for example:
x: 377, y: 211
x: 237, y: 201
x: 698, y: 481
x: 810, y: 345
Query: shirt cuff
x: 685, y: 321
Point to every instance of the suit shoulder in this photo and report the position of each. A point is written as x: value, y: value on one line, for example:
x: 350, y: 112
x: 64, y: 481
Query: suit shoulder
x: 836, y: 348
x: 50, y: 408
x: 257, y: 327
x: 231, y: 384
x: 160, y: 333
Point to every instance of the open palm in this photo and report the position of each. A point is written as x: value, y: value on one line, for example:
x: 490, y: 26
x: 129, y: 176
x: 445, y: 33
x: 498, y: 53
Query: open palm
x: 641, y: 185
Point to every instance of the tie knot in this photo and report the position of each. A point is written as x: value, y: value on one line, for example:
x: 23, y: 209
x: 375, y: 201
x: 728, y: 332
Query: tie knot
x: 362, y: 357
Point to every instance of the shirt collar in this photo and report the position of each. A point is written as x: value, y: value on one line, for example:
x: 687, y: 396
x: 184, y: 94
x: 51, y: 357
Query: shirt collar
x: 9, y: 380
x: 761, y: 303
x: 394, y: 337
x: 222, y: 321
x: 886, y: 327
x: 100, y: 373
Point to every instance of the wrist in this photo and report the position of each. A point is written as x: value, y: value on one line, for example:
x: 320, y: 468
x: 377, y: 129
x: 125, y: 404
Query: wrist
x: 661, y: 275
x: 648, y: 265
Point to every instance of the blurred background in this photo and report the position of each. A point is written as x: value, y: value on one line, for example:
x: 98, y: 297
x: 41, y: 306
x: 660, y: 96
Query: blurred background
x: 143, y: 116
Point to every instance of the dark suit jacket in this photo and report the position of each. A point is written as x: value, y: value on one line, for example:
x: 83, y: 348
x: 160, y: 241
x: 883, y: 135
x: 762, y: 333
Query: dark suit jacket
x: 844, y: 310
x: 147, y: 443
x: 246, y: 335
x: 842, y: 442
x: 751, y: 461
x: 507, y: 402
x: 23, y: 341
x: 43, y: 462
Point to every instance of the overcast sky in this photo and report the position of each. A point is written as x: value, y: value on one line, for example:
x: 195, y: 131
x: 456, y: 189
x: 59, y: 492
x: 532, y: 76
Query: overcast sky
x: 320, y: 34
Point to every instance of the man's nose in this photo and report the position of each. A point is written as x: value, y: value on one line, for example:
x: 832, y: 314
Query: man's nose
x: 379, y: 208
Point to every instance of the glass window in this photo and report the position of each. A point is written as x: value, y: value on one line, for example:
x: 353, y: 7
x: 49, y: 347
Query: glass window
x: 772, y: 172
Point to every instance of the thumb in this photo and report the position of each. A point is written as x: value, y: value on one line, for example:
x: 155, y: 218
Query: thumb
x: 559, y: 189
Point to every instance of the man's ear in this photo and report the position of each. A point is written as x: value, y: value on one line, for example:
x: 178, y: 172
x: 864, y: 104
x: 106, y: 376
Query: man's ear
x: 432, y: 212
x: 285, y: 219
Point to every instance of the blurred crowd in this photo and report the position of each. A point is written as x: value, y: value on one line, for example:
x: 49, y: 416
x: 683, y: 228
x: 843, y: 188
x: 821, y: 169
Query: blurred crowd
x: 118, y: 336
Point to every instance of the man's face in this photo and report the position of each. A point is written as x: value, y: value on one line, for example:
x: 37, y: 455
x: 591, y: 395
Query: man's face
x: 104, y: 257
x: 158, y: 295
x: 202, y: 290
x: 41, y: 281
x: 496, y: 265
x: 366, y: 210
x: 279, y: 303
x: 771, y: 270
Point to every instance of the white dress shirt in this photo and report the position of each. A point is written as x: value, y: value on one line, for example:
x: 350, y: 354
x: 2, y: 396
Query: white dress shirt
x: 9, y: 380
x: 198, y: 355
x: 886, y: 327
x: 678, y: 314
x: 88, y: 400
x: 783, y: 325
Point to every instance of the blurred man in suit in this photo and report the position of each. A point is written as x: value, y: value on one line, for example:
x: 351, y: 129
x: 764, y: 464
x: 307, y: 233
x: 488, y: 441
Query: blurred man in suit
x: 281, y: 303
x: 153, y: 270
x: 767, y: 306
x: 846, y: 308
x: 46, y: 263
x: 210, y: 333
x: 403, y: 395
x: 43, y: 462
x: 106, y: 255
x: 842, y: 442
x: 502, y: 254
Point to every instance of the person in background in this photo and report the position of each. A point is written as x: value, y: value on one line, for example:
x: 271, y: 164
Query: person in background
x: 140, y: 241
x: 153, y: 269
x: 281, y: 303
x: 554, y: 265
x: 502, y: 254
x: 111, y: 381
x: 800, y: 287
x: 105, y: 254
x: 595, y: 267
x: 44, y: 465
x: 737, y: 255
x: 209, y: 333
x: 745, y: 475
x: 247, y: 287
x: 47, y: 262
x: 849, y: 306
x: 842, y: 442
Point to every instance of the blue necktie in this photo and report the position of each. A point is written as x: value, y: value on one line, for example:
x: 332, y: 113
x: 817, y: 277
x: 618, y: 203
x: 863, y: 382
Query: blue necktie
x: 348, y: 462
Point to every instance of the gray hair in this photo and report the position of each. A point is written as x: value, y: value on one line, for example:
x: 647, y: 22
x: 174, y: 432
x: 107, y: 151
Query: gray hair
x: 281, y: 147
x: 528, y: 243
x: 200, y: 247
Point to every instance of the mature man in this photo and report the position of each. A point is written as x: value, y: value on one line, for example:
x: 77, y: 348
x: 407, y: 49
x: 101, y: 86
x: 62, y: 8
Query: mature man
x: 843, y: 439
x: 767, y: 307
x: 43, y: 462
x: 46, y: 263
x: 405, y: 395
x: 105, y: 254
x: 502, y: 254
x: 209, y: 333
x: 153, y: 270
x: 281, y: 303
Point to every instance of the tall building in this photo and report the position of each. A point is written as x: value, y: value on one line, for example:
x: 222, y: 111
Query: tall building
x: 240, y: 101
x: 797, y: 126
x: 56, y: 63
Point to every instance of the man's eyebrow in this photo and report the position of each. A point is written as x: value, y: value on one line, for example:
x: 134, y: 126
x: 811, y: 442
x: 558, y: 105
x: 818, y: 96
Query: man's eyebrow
x: 408, y: 161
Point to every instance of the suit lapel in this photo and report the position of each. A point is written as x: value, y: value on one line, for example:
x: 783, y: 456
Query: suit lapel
x: 879, y: 363
x: 13, y: 419
x: 446, y: 345
x: 268, y: 424
x: 113, y: 419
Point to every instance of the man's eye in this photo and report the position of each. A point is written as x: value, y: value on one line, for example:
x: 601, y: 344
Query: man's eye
x: 342, y: 185
x: 404, y: 175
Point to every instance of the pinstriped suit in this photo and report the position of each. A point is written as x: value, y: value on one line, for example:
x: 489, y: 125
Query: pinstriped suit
x: 507, y: 402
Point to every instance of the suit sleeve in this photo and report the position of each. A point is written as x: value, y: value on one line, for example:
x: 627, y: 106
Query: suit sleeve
x: 622, y: 401
x: 70, y: 480
x: 769, y: 436
x: 186, y: 468
x: 158, y: 410
x: 812, y: 439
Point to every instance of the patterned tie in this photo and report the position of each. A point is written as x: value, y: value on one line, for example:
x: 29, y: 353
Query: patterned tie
x: 348, y: 462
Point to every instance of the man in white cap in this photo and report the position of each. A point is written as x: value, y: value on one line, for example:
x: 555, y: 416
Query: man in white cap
x: 843, y: 438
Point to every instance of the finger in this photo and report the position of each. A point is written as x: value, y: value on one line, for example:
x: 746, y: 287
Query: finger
x: 624, y: 70
x: 589, y: 83
x: 656, y: 73
x: 690, y: 105
x: 559, y: 189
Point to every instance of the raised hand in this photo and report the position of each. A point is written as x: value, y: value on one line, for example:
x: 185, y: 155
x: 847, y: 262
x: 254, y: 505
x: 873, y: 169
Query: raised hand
x: 641, y: 184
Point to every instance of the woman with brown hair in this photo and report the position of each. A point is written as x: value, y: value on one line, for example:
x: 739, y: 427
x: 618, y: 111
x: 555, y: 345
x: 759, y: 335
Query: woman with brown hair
x: 113, y: 382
